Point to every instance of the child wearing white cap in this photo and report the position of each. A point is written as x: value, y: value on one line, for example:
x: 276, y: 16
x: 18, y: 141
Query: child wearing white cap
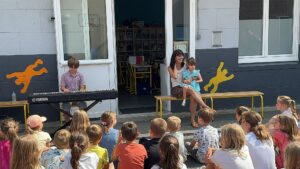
x: 35, y: 127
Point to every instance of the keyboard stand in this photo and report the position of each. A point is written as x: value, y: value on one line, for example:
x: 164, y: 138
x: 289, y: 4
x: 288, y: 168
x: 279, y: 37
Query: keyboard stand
x: 68, y: 114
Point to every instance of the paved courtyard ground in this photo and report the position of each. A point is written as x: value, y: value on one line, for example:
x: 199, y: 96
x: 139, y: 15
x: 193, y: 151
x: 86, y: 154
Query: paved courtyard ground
x: 222, y: 117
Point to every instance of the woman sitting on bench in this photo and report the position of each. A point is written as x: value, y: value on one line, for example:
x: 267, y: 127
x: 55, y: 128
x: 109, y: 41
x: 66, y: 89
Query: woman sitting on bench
x: 175, y: 69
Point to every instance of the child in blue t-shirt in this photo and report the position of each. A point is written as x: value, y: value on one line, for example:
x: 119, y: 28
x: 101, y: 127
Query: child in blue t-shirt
x: 191, y: 78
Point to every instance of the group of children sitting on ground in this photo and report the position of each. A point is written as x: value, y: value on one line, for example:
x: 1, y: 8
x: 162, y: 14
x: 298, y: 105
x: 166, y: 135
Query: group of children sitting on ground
x: 247, y: 144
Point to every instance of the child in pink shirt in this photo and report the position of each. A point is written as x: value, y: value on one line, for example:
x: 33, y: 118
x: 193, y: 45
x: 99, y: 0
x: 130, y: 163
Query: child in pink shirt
x: 285, y: 131
x: 9, y: 130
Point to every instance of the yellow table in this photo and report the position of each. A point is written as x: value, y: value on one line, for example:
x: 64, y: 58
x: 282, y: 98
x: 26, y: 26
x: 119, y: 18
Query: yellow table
x: 21, y: 103
x: 139, y: 72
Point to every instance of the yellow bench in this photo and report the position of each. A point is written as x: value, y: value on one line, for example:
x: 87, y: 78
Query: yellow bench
x: 212, y: 96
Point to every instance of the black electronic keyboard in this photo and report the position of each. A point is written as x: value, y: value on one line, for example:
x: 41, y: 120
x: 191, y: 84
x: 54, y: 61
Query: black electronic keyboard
x: 56, y: 97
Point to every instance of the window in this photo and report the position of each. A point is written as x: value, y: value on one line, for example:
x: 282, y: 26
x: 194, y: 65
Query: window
x: 84, y: 29
x: 268, y: 31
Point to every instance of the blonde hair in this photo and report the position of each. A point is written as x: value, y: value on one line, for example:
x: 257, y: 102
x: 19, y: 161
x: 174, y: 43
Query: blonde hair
x: 232, y: 137
x: 61, y: 139
x: 107, y: 120
x: 173, y: 123
x: 158, y: 127
x: 94, y: 133
x: 25, y: 153
x: 290, y: 103
x: 254, y: 120
x: 288, y: 126
x: 9, y: 128
x: 292, y: 155
x: 80, y: 121
x: 207, y: 115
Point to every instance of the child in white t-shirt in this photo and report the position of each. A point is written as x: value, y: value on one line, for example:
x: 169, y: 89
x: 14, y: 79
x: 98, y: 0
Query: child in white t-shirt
x: 234, y: 153
x: 79, y: 157
x: 258, y: 140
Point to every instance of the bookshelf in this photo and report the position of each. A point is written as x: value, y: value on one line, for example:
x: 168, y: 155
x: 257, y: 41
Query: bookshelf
x: 145, y: 41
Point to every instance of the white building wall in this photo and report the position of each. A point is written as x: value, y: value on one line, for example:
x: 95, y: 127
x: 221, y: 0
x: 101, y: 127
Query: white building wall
x: 216, y: 15
x: 25, y: 27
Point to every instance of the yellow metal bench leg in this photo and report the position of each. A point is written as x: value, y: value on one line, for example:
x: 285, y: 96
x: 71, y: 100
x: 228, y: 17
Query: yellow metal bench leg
x: 262, y: 105
x: 212, y: 103
x: 160, y: 113
x: 252, y: 103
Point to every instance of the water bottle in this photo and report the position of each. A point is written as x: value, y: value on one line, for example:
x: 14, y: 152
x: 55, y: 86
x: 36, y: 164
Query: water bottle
x: 13, y: 97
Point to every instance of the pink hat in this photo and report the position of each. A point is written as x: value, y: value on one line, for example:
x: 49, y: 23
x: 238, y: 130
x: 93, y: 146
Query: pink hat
x: 34, y: 121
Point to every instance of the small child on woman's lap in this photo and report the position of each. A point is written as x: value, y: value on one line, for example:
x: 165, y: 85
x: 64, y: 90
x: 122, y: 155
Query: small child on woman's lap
x: 191, y: 78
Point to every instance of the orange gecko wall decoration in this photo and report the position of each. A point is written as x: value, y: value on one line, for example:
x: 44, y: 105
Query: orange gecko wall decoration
x: 26, y: 76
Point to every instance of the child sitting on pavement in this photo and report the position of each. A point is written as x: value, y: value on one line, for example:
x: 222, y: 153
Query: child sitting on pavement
x: 54, y: 157
x: 129, y: 153
x: 35, y: 127
x: 174, y: 125
x: 206, y: 137
x: 94, y: 133
x: 158, y: 128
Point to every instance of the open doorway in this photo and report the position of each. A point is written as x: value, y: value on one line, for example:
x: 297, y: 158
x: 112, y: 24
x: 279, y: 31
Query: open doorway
x: 140, y: 41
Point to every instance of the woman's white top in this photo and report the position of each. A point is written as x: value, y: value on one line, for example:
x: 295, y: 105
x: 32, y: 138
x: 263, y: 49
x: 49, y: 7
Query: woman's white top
x: 86, y: 161
x: 230, y: 159
x: 288, y: 112
x: 262, y: 153
x: 178, y: 80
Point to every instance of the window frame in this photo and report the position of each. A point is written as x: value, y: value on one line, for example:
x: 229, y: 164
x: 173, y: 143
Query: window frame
x: 109, y: 33
x: 265, y: 57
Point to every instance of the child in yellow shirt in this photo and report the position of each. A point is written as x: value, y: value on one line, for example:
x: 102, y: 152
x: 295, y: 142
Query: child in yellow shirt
x: 94, y: 133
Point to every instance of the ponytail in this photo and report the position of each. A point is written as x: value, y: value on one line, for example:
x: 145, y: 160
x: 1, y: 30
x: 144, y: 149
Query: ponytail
x: 10, y: 128
x: 76, y: 152
x: 107, y: 120
x: 169, y: 147
x: 261, y: 132
x: 78, y: 144
x: 254, y: 119
x: 294, y: 109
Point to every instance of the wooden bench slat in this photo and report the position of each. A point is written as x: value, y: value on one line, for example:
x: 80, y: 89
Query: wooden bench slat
x: 218, y: 95
x: 212, y: 96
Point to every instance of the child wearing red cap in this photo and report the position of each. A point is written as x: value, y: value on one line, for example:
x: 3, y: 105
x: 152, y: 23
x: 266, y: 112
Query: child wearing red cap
x: 35, y: 127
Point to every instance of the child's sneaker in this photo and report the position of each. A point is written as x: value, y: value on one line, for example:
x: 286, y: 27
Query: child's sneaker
x: 183, y: 103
